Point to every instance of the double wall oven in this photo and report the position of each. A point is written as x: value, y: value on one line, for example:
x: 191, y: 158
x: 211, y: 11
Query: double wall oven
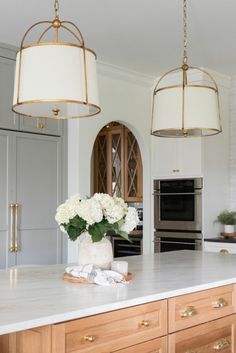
x: 178, y: 214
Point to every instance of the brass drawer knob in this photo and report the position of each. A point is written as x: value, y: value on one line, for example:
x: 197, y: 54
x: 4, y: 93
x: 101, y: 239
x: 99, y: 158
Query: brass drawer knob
x: 188, y: 312
x: 221, y: 344
x: 220, y: 303
x: 145, y: 323
x: 224, y: 251
x: 40, y: 126
x: 89, y: 338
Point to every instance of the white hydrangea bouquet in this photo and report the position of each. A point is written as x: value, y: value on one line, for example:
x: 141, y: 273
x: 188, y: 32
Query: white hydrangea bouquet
x: 96, y: 215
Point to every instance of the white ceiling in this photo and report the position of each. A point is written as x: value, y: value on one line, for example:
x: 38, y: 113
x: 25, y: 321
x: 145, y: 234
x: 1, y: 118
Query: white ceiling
x: 141, y: 35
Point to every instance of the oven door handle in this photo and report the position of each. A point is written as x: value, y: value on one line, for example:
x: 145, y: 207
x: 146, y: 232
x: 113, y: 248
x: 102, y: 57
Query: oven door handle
x: 176, y: 242
x: 175, y: 193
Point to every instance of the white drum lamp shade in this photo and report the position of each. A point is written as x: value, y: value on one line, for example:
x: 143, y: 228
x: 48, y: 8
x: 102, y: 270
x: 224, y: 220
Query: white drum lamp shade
x: 185, y: 110
x: 53, y: 80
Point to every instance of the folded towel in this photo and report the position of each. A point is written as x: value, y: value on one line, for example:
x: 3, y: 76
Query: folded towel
x: 95, y: 275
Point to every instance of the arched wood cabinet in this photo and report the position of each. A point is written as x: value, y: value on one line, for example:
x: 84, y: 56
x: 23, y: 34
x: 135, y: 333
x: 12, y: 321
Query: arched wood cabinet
x: 117, y: 163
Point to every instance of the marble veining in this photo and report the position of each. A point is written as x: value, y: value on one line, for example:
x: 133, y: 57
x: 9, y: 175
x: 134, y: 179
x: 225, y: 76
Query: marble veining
x: 32, y: 297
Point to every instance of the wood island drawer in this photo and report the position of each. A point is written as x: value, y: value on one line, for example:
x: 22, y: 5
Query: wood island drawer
x: 215, y: 336
x: 193, y: 309
x: 158, y: 345
x: 111, y: 331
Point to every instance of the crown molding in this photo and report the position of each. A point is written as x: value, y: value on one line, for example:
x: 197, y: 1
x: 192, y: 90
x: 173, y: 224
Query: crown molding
x: 124, y: 74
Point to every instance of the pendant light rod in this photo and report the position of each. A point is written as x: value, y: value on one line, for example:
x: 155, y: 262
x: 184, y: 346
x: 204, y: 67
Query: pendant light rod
x: 185, y: 33
x: 56, y: 8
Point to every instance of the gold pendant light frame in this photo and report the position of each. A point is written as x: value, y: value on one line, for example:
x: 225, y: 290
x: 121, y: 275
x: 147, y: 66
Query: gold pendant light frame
x: 55, y: 25
x: 185, y: 72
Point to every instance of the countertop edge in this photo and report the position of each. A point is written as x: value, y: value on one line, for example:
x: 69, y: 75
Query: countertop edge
x: 67, y: 316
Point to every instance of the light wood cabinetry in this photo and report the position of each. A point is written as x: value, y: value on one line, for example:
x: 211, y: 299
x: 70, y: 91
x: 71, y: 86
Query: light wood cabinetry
x: 111, y: 331
x: 193, y: 309
x: 117, y: 163
x: 36, y: 340
x: 157, y: 327
x: 158, y: 345
x: 215, y: 336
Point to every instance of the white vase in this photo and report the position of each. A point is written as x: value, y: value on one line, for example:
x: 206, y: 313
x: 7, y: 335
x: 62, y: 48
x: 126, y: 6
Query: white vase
x: 229, y: 228
x: 97, y: 253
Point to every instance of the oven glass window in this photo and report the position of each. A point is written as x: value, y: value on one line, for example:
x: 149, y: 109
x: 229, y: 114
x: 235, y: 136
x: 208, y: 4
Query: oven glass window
x: 175, y: 203
x: 170, y: 244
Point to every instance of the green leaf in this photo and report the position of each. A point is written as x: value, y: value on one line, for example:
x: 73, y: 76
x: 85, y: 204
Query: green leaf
x: 73, y: 233
x: 95, y: 233
x: 124, y: 235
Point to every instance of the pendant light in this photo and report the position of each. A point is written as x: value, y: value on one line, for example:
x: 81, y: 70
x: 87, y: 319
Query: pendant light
x: 55, y: 78
x: 182, y: 106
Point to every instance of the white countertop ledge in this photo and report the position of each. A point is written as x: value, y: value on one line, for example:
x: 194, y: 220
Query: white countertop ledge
x: 33, y: 297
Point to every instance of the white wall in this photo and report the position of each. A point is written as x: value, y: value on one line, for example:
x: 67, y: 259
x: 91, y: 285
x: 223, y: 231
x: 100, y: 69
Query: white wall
x: 232, y: 161
x: 124, y: 97
x: 216, y: 172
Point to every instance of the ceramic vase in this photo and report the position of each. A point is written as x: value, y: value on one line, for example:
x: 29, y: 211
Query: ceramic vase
x: 97, y: 253
x: 228, y: 228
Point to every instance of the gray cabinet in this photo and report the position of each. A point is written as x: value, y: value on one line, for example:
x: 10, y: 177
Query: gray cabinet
x: 41, y: 125
x: 9, y: 120
x: 31, y: 177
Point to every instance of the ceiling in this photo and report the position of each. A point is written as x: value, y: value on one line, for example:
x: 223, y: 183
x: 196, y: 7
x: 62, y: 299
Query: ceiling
x: 141, y: 35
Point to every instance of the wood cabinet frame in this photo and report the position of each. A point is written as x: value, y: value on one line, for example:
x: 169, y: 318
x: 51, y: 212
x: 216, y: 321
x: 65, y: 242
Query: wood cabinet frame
x: 125, y: 177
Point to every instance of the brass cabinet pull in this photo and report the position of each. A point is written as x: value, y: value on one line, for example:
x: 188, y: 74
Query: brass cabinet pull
x: 224, y: 251
x: 16, y: 245
x: 188, y: 312
x: 89, y: 338
x: 220, y: 303
x: 12, y: 228
x: 144, y: 323
x: 40, y: 126
x: 221, y: 344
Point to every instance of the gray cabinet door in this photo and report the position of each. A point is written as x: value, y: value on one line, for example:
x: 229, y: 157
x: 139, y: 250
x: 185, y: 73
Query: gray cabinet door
x: 38, y: 186
x: 8, y: 120
x: 30, y: 176
x: 7, y: 196
x: 41, y: 125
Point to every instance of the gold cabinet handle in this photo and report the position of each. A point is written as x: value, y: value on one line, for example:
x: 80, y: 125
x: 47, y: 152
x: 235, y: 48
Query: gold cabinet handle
x: 40, y: 126
x: 224, y: 251
x: 16, y: 245
x: 89, y: 338
x: 12, y: 228
x: 220, y: 303
x: 188, y: 312
x: 144, y: 323
x: 221, y: 344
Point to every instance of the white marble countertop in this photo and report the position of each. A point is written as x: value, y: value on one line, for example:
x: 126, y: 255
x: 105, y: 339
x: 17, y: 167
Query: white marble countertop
x: 32, y: 297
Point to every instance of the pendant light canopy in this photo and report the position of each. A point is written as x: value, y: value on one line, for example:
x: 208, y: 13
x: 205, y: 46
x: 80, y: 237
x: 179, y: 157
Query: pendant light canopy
x: 182, y: 106
x: 56, y: 79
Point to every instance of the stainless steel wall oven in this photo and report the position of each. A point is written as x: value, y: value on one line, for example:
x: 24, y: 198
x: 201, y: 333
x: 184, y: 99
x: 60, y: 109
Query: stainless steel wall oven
x: 178, y: 214
x: 178, y: 204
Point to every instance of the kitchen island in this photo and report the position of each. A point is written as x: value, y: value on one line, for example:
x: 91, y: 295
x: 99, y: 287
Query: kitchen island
x: 172, y: 298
